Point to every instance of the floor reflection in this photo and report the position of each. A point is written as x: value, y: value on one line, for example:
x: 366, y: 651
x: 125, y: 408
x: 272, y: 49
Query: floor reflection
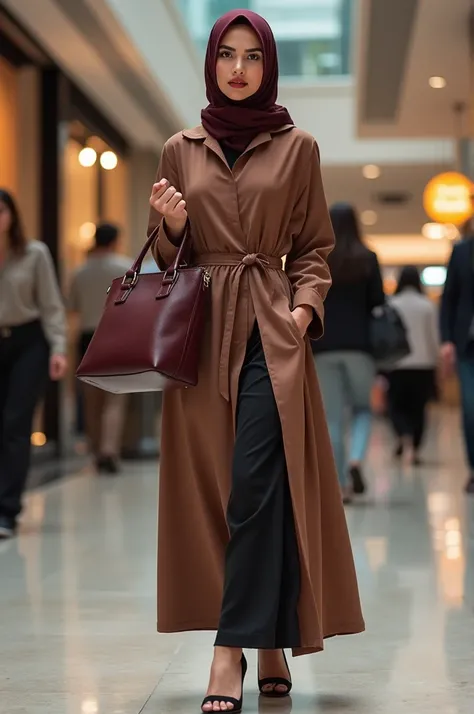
x: 77, y: 601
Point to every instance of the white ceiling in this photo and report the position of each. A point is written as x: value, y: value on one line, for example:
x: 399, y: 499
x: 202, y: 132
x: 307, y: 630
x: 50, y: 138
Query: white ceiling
x: 391, y: 65
x: 348, y: 184
x: 400, y: 44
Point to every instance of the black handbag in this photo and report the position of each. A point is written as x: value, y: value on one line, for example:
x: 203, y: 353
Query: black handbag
x: 388, y: 335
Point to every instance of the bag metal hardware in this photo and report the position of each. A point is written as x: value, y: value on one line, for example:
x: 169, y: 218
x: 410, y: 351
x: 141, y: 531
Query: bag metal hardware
x: 129, y: 280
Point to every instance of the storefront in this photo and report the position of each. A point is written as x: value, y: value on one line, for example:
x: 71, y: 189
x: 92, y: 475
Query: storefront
x: 68, y: 169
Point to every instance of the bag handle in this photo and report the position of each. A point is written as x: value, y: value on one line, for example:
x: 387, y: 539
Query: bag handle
x: 131, y: 276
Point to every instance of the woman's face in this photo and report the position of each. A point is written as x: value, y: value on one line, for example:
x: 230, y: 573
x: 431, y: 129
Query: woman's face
x: 240, y: 63
x: 5, y: 218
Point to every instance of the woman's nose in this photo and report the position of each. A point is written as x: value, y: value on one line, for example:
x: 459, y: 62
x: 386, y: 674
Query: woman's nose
x: 238, y: 67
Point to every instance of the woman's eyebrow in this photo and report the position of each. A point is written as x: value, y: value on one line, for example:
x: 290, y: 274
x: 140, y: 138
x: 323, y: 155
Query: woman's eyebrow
x: 232, y: 49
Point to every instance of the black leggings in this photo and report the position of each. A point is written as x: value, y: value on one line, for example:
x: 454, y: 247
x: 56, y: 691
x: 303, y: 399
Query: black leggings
x: 409, y: 392
x: 262, y: 572
x: 23, y: 374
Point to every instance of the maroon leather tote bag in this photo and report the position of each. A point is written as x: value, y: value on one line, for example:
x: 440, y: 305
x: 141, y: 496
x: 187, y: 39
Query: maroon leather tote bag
x: 149, y: 335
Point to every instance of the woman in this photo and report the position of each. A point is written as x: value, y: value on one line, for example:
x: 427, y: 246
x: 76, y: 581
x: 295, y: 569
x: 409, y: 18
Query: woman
x: 31, y: 316
x: 412, y: 383
x: 344, y: 363
x: 252, y: 535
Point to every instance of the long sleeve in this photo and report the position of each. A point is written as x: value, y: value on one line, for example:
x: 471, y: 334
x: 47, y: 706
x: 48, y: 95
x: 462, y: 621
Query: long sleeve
x: 163, y: 250
x: 50, y: 302
x: 376, y: 295
x: 449, y: 300
x: 306, y: 263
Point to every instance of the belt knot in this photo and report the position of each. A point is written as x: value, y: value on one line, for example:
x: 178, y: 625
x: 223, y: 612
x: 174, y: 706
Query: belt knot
x: 253, y: 258
x: 241, y: 262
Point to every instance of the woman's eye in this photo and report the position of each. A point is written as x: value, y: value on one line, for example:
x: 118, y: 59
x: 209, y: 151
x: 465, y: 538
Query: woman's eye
x: 254, y: 57
x: 225, y: 54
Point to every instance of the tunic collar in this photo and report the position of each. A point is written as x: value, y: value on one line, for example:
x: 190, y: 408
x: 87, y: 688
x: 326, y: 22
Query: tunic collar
x: 199, y: 133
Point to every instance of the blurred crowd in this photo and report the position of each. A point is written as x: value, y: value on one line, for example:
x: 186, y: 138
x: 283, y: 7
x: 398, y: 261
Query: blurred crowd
x: 440, y: 342
x: 440, y: 339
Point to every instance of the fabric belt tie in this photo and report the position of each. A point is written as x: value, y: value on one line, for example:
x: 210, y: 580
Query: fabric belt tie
x: 241, y: 262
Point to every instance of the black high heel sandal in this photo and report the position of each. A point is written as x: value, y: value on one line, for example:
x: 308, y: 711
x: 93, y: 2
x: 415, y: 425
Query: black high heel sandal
x: 229, y: 700
x: 276, y: 681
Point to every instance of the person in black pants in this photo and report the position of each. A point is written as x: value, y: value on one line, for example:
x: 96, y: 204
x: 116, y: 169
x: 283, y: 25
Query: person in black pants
x: 412, y: 383
x: 409, y: 392
x: 457, y: 334
x: 32, y: 325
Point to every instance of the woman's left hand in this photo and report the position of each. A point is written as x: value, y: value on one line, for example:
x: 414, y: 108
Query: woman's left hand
x: 57, y: 367
x: 303, y: 315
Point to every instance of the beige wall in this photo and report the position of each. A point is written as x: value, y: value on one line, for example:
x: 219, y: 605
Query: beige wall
x: 19, y: 140
x: 126, y: 192
x: 28, y: 157
x: 78, y: 208
x: 117, y: 207
x: 142, y: 172
x: 8, y: 127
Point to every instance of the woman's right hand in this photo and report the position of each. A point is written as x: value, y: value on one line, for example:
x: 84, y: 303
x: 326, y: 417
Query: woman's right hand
x: 169, y: 202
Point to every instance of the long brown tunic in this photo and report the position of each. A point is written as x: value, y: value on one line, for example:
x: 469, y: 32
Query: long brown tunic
x: 270, y: 205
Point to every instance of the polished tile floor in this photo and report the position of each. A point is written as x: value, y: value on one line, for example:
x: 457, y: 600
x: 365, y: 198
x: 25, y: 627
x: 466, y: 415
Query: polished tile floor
x: 77, y: 601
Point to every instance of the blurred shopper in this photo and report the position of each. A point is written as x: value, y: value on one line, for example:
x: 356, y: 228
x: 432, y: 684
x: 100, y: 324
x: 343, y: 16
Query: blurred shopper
x: 104, y: 412
x: 246, y: 461
x: 412, y: 381
x: 345, y: 367
x: 32, y: 335
x: 457, y: 334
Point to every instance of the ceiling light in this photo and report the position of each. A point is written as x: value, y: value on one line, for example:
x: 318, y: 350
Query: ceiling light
x: 87, y: 157
x: 437, y: 82
x: 87, y: 230
x: 85, y: 240
x: 371, y: 171
x: 38, y: 438
x: 434, y: 276
x: 108, y: 160
x: 434, y: 231
x: 90, y: 706
x: 368, y: 218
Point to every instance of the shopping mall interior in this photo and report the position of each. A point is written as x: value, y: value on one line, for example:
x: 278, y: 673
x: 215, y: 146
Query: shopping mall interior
x: 90, y: 91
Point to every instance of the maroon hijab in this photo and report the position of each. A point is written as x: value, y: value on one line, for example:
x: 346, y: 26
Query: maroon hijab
x: 236, y: 123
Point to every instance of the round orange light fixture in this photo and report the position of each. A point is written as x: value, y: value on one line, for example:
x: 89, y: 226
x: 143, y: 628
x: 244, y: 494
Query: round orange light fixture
x: 449, y: 198
x: 38, y: 438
